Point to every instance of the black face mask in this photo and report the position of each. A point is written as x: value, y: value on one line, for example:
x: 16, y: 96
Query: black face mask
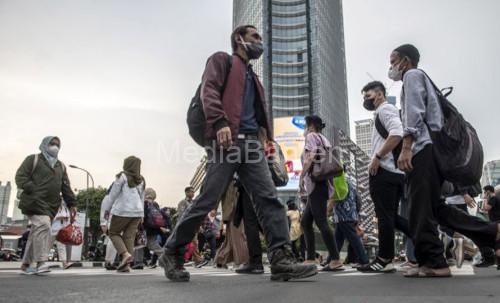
x: 368, y: 104
x: 254, y: 50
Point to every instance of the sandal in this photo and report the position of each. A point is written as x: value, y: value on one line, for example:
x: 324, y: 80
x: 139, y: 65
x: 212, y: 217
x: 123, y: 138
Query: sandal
x: 125, y: 262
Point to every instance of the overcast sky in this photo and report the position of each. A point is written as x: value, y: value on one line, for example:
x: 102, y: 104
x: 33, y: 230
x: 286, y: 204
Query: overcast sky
x: 114, y: 78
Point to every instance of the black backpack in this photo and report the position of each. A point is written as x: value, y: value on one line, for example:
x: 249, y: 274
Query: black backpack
x: 385, y: 134
x: 196, y: 120
x: 458, y: 153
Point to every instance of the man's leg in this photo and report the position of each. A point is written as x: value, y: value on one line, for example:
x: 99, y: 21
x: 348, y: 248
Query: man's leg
x: 307, y: 227
x: 220, y: 172
x: 355, y: 242
x: 251, y: 230
x: 423, y: 191
x: 256, y: 178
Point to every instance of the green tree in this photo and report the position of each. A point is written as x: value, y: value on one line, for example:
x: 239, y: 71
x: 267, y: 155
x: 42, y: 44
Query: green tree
x: 94, y: 196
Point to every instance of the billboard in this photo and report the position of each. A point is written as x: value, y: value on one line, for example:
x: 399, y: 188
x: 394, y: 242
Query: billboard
x: 289, y: 134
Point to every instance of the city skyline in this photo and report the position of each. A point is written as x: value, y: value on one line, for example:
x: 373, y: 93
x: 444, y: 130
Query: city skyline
x: 114, y: 79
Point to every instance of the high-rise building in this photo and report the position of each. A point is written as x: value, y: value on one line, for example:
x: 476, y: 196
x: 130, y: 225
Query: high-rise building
x: 364, y: 129
x: 17, y: 215
x: 491, y: 173
x: 303, y: 66
x: 4, y: 201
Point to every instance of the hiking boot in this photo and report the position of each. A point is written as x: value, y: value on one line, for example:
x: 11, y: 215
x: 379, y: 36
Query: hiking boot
x: 173, y: 265
x: 284, y: 267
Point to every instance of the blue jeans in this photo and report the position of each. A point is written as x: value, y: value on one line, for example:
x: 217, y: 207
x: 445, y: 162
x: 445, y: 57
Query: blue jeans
x: 347, y: 231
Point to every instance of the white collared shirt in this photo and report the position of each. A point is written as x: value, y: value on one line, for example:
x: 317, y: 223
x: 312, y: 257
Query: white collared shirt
x: 389, y: 116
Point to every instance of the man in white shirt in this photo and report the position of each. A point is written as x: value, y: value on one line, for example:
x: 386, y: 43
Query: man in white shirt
x: 386, y: 180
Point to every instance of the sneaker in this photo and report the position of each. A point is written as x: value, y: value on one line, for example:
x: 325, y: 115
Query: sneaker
x: 202, y: 263
x: 42, y: 269
x: 378, y: 266
x: 284, y: 267
x: 457, y: 251
x: 250, y: 269
x: 153, y: 266
x: 173, y: 265
x: 28, y: 271
x: 138, y: 267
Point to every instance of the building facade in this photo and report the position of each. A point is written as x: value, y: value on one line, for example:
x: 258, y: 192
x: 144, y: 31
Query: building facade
x: 303, y: 66
x: 491, y: 173
x: 4, y: 201
x: 364, y: 129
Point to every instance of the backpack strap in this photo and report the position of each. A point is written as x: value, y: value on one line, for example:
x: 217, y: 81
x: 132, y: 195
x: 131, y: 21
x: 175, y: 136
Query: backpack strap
x: 380, y: 128
x: 35, y: 163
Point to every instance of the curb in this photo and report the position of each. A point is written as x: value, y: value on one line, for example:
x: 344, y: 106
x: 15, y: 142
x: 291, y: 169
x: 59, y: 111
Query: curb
x: 53, y: 265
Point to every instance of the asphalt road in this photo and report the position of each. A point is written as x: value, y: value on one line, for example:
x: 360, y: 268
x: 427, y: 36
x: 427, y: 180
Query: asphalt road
x: 220, y: 286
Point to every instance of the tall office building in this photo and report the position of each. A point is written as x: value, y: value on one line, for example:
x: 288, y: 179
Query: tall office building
x: 491, y: 173
x: 364, y: 130
x: 303, y: 66
x: 4, y: 201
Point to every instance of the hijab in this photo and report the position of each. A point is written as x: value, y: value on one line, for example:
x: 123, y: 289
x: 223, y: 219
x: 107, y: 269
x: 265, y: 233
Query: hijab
x: 44, y: 148
x: 132, y: 170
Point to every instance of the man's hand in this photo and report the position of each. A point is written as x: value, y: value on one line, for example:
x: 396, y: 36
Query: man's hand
x: 471, y: 203
x: 404, y: 161
x: 302, y: 187
x: 224, y: 137
x: 374, y: 166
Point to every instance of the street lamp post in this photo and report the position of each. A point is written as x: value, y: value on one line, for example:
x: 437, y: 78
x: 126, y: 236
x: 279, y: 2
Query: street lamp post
x: 87, y: 221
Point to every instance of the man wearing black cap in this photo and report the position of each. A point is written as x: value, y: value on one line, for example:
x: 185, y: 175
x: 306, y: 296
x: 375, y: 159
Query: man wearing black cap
x: 421, y: 115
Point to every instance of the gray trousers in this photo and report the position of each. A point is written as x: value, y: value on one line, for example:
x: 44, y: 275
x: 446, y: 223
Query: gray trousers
x: 246, y: 157
x: 37, y: 247
x: 151, y: 244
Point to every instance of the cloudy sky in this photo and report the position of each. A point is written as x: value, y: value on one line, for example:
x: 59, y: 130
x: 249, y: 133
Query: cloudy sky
x: 114, y: 78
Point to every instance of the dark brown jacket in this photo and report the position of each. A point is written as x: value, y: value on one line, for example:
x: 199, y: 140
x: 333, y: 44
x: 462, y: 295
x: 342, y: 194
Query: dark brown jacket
x: 225, y: 110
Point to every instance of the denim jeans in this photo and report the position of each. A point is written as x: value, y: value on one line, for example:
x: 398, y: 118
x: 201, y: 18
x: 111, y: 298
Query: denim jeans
x: 347, y: 231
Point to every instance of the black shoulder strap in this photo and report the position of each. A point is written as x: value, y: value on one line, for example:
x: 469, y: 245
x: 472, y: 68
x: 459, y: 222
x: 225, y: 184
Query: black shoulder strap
x: 380, y: 128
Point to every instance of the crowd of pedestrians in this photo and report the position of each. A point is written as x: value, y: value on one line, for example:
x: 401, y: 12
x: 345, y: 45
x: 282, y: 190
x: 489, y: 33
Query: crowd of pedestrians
x: 403, y: 173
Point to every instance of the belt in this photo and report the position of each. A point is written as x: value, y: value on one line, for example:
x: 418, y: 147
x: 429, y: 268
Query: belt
x: 247, y: 136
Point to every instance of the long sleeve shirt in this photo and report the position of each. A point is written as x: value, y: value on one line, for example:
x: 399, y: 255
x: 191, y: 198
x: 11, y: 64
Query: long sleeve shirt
x: 420, y: 106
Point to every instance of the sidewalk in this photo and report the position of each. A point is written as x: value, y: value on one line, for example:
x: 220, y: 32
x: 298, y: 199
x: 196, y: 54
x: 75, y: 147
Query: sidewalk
x: 17, y: 265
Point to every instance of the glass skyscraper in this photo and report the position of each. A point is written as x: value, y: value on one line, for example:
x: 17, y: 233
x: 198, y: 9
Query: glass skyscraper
x: 303, y: 67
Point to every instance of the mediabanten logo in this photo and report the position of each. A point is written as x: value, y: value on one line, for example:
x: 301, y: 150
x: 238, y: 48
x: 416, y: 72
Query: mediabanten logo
x: 299, y: 121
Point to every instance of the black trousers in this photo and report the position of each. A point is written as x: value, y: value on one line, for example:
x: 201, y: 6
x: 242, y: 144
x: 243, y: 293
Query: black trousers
x: 428, y: 209
x: 386, y: 191
x: 316, y: 211
x: 252, y: 230
x: 247, y: 158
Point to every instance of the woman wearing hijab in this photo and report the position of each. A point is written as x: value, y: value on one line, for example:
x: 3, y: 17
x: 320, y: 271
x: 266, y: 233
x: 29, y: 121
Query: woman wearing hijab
x: 41, y: 180
x: 127, y: 209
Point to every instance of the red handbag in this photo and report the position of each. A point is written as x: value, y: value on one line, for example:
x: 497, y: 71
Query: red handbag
x: 70, y: 234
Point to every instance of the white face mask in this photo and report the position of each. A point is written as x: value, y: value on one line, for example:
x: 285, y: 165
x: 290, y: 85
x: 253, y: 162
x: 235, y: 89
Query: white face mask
x: 395, y: 73
x: 53, y: 150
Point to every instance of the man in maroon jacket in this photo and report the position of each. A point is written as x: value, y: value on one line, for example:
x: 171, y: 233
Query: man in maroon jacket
x: 235, y: 110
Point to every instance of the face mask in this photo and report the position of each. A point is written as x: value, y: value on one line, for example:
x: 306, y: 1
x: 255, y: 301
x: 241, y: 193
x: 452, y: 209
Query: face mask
x: 368, y: 104
x: 53, y: 150
x: 395, y: 73
x: 254, y: 49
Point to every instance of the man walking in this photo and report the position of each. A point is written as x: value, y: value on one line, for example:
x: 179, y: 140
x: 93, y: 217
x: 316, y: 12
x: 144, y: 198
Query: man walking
x: 233, y: 119
x: 41, y: 179
x: 386, y: 180
x: 421, y: 115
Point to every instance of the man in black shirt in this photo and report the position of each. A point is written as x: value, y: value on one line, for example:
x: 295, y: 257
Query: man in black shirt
x: 492, y: 204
